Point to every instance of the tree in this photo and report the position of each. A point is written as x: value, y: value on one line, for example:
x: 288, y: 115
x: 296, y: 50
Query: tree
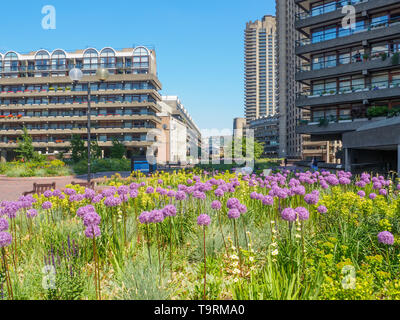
x: 78, y: 149
x: 118, y: 150
x: 95, y: 150
x: 256, y: 148
x: 25, y: 149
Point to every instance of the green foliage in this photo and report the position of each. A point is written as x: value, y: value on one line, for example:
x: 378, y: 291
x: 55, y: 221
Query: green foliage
x: 118, y: 150
x: 396, y: 58
x: 25, y: 149
x: 102, y: 165
x: 254, y: 148
x: 377, y: 111
x: 78, y: 148
x: 35, y: 169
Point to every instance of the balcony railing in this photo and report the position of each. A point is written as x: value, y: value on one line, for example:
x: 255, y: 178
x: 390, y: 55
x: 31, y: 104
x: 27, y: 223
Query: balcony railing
x: 330, y: 7
x: 339, y: 33
x: 375, y: 85
x: 332, y: 63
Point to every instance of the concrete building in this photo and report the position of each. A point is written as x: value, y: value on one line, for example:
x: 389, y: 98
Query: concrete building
x: 266, y: 131
x: 36, y: 92
x: 182, y: 136
x: 290, y: 143
x: 260, y: 68
x: 239, y: 125
x: 351, y: 79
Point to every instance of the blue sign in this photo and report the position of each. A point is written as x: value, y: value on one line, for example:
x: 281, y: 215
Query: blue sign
x: 142, y: 166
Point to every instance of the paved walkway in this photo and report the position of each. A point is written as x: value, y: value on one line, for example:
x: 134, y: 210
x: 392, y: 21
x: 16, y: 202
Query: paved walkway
x: 12, y: 188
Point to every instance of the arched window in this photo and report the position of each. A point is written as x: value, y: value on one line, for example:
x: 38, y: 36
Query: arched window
x: 141, y: 60
x: 58, y: 60
x: 107, y: 58
x: 11, y: 62
x: 90, y: 59
x: 42, y: 60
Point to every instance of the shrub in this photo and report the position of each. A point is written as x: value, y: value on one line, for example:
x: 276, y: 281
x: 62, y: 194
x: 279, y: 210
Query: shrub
x: 377, y: 111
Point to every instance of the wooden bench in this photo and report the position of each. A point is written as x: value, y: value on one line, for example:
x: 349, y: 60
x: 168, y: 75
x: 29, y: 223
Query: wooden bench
x: 40, y: 188
x: 90, y: 185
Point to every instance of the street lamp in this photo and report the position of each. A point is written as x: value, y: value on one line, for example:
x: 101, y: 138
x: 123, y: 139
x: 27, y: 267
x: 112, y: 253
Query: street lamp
x: 76, y: 75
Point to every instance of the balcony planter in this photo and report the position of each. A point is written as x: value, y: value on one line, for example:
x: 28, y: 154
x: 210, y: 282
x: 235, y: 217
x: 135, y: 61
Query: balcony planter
x: 314, y: 96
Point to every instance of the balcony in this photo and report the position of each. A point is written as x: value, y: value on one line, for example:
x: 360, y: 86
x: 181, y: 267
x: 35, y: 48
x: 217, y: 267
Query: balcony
x: 347, y: 37
x: 333, y: 67
x: 346, y: 94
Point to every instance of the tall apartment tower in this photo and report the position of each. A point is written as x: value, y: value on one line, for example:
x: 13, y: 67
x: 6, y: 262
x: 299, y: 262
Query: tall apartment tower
x: 290, y: 143
x: 260, y: 72
x: 351, y: 79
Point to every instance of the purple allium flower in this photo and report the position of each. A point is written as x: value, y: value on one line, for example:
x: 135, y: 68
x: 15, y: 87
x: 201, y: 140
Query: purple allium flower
x: 216, y: 205
x: 69, y: 192
x: 112, y: 202
x: 386, y: 237
x: 322, y: 209
x: 189, y: 181
x: 372, y: 196
x: 234, y: 214
x: 11, y: 209
x: 110, y: 192
x: 169, y: 211
x: 97, y: 198
x: 203, y: 220
x: 180, y: 195
x: 171, y: 194
x: 48, y: 193
x: 242, y: 208
x: 47, y: 205
x: 268, y: 201
x: 311, y: 198
x: 361, y: 193
x: 199, y: 195
x: 302, y: 213
x: 232, y: 203
x: 145, y: 217
x: 76, y: 198
x: 383, y: 192
x: 5, y: 239
x: 3, y: 225
x: 31, y: 213
x: 398, y: 187
x: 289, y: 214
x: 253, y: 195
x: 92, y: 232
x: 219, y: 192
x: 57, y: 193
x: 133, y: 194
x: 160, y: 181
x: 89, y: 194
x: 150, y: 190
x: 91, y: 218
x: 157, y: 216
x: 123, y: 190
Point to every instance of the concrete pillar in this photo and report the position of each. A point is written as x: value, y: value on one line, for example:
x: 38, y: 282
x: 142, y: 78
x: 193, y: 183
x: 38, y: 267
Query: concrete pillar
x: 347, y: 159
x: 3, y: 155
x: 398, y: 160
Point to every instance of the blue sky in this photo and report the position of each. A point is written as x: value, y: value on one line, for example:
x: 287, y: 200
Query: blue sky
x: 199, y: 44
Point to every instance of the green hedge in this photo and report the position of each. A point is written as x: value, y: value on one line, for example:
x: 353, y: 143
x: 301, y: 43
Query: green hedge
x: 103, y: 165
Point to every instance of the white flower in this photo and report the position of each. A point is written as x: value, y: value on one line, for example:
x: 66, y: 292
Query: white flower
x: 235, y: 280
x: 272, y: 222
x: 298, y: 236
x: 251, y: 259
x: 237, y: 271
x: 234, y: 257
x: 274, y: 244
x: 275, y: 252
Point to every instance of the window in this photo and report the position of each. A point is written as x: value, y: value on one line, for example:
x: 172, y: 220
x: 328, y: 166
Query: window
x: 58, y: 60
x: 11, y: 62
x: 141, y: 60
x: 42, y: 60
x: 90, y: 59
x: 107, y: 58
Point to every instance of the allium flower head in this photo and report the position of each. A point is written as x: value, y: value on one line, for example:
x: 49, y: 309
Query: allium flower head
x: 69, y: 192
x: 48, y: 193
x: 145, y: 217
x: 133, y: 194
x: 91, y: 218
x: 383, y: 192
x: 47, y: 205
x: 268, y: 201
x: 322, y: 209
x: 302, y: 213
x: 361, y: 194
x: 386, y: 237
x: 219, y: 192
x: 169, y: 211
x: 157, y: 216
x: 288, y: 214
x: 180, y: 195
x: 372, y: 196
x: 150, y: 190
x: 242, y: 208
x: 234, y: 214
x: 123, y: 190
x: 203, y: 220
x: 92, y: 232
x: 216, y: 205
x: 5, y: 239
x: 3, y: 224
x: 232, y: 203
x: 311, y: 198
x: 31, y: 213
